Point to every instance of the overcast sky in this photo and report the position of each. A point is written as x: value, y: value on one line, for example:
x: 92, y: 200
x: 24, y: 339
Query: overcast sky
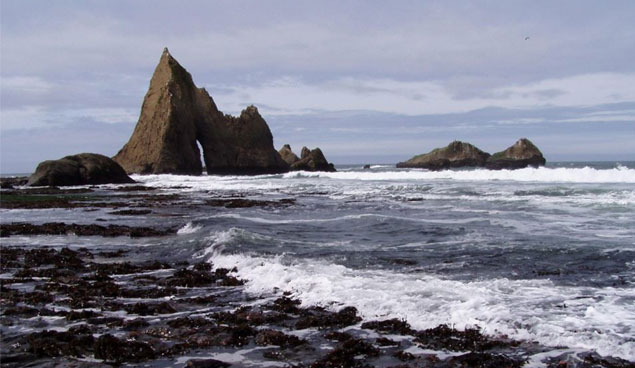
x: 366, y: 81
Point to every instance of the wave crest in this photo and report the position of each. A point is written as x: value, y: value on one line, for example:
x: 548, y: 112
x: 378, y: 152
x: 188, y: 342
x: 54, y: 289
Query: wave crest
x: 587, y: 174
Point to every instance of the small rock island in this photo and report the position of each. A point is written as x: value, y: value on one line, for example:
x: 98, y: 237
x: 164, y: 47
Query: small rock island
x: 461, y: 154
x: 309, y: 160
x: 80, y: 169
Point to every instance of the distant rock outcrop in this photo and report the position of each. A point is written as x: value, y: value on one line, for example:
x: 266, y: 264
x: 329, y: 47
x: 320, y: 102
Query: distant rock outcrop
x: 312, y: 160
x: 456, y: 154
x: 522, y: 154
x: 80, y: 169
x: 175, y: 115
x: 309, y: 160
x: 287, y: 154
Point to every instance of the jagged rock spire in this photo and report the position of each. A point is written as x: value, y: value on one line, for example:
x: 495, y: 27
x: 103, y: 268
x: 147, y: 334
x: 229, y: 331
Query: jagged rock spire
x: 175, y: 115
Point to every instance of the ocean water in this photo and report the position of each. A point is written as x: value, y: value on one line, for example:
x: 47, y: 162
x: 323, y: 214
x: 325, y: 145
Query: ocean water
x: 545, y: 255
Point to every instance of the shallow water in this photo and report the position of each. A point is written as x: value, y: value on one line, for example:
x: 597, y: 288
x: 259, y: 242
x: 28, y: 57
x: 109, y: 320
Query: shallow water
x: 546, y: 254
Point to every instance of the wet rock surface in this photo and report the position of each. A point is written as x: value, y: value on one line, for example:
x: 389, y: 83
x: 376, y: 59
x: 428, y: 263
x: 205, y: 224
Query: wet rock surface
x: 60, y: 228
x: 66, y: 305
x: 80, y: 169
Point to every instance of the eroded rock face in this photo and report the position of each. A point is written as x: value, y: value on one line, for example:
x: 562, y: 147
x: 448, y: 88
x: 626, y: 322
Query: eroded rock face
x: 175, y: 115
x: 456, y: 154
x: 287, y: 154
x: 522, y: 154
x: 310, y: 160
x: 80, y: 169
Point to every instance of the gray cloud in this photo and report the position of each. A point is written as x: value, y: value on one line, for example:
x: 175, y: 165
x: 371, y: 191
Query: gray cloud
x: 336, y: 74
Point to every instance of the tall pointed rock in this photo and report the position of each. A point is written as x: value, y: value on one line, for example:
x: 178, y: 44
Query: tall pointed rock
x: 176, y: 114
x: 164, y: 140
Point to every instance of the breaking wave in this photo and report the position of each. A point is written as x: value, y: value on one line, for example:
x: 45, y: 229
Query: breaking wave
x: 619, y: 174
x: 535, y: 310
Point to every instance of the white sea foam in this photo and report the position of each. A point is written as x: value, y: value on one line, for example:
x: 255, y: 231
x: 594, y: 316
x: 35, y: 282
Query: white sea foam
x: 262, y: 220
x: 578, y: 317
x: 557, y: 175
x: 188, y: 228
x: 188, y: 183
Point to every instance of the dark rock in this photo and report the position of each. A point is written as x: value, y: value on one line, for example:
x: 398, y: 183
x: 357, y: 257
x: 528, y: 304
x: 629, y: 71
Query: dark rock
x: 54, y: 343
x: 134, y: 188
x: 59, y: 228
x: 11, y: 182
x: 338, y: 336
x: 110, y: 348
x: 485, y: 360
x: 321, y: 318
x: 75, y: 315
x: 109, y: 321
x: 22, y: 311
x: 366, y: 167
x: 203, y: 266
x: 390, y: 326
x: 206, y: 363
x: 176, y: 114
x: 382, y: 341
x: 447, y: 338
x: 273, y: 337
x: 347, y: 354
x: 404, y: 356
x: 247, y: 203
x: 80, y: 169
x: 135, y: 324
x: 189, y: 322
x: 191, y: 278
x: 32, y: 199
x: 312, y: 160
x: 286, y: 305
x: 145, y: 309
x: 522, y: 154
x: 287, y: 155
x: 456, y: 154
x: 130, y: 212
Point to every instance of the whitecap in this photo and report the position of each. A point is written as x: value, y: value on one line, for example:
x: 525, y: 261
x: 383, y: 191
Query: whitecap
x: 543, y: 174
x: 533, y: 310
x: 188, y: 228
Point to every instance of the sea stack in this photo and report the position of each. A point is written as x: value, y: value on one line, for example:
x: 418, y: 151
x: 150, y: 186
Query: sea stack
x: 175, y: 115
x: 80, y: 169
x: 309, y: 160
x: 287, y: 154
x: 520, y: 155
x: 456, y: 154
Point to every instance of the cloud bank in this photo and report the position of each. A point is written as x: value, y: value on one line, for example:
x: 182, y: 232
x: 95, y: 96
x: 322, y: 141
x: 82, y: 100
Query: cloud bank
x: 363, y: 80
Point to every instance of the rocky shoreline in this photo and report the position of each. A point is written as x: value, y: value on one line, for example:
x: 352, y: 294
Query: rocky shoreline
x: 88, y: 308
x: 126, y: 306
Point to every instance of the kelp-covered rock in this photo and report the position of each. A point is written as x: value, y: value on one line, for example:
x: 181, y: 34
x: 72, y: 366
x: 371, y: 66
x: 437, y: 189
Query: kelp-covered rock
x: 522, y: 154
x: 80, y: 169
x: 456, y: 154
x: 175, y: 115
